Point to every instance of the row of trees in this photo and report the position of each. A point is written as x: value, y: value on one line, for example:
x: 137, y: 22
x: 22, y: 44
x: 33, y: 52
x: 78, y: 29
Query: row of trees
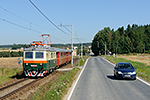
x: 69, y: 45
x: 18, y: 46
x: 11, y: 54
x: 133, y: 39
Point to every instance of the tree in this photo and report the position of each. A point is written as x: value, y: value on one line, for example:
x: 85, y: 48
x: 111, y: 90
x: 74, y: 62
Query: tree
x: 122, y: 41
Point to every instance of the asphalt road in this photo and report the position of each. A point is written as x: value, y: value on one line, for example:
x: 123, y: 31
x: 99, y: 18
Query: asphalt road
x: 98, y: 83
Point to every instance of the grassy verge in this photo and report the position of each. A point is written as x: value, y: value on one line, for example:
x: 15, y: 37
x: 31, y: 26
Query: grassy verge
x: 142, y: 69
x: 56, y: 89
x: 81, y: 61
x: 7, y: 74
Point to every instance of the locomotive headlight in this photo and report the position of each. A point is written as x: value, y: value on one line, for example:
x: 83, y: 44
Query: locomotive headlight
x: 26, y: 63
x: 40, y: 63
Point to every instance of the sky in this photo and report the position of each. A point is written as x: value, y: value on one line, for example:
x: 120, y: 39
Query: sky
x: 22, y: 23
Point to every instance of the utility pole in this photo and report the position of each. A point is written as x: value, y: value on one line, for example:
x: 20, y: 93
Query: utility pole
x: 98, y: 47
x: 82, y: 50
x: 71, y: 41
x: 116, y: 50
x: 105, y: 48
x: 72, y: 46
x: 97, y: 44
x: 81, y: 46
x: 144, y: 47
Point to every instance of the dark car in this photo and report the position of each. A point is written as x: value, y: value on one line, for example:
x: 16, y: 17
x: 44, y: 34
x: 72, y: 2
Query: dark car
x: 124, y: 70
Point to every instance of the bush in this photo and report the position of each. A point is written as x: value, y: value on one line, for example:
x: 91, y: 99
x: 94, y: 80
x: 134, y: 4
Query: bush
x: 4, y: 54
x: 11, y: 54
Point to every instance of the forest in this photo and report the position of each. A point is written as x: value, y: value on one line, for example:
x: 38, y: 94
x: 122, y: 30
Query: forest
x: 133, y: 39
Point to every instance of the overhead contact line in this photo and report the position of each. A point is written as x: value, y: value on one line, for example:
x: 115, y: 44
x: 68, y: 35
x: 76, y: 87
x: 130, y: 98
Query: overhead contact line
x: 21, y: 17
x: 19, y: 25
x: 48, y: 18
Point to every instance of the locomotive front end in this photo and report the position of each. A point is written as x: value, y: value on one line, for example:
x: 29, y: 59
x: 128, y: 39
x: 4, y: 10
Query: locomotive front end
x: 34, y: 63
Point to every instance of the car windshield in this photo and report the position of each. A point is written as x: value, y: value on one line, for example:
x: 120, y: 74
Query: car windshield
x: 125, y: 66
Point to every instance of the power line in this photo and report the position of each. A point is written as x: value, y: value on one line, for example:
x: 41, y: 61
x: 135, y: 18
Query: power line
x: 27, y: 28
x: 70, y: 31
x: 67, y: 28
x: 27, y: 21
x: 21, y: 17
x: 77, y: 37
x: 19, y: 25
x: 47, y: 18
x: 59, y: 39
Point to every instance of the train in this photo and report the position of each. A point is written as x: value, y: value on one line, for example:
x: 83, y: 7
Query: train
x: 38, y: 61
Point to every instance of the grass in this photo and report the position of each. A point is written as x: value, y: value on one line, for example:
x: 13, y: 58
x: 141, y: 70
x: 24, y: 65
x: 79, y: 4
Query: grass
x: 142, y: 69
x: 7, y: 74
x: 81, y: 61
x: 56, y: 89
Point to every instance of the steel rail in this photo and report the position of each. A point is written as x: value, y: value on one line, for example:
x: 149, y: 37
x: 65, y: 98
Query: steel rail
x: 16, y: 90
x: 7, y: 86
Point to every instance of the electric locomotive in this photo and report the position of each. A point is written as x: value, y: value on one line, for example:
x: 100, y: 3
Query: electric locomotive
x: 41, y: 60
x: 38, y: 61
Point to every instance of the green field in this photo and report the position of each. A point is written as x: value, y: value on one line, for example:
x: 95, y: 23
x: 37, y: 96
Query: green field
x: 7, y: 74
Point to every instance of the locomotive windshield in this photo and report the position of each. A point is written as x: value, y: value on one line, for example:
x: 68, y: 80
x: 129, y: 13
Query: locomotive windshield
x: 29, y: 55
x: 39, y: 55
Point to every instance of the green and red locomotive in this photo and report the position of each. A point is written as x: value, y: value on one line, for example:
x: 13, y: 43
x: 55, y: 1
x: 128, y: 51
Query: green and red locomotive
x: 39, y: 60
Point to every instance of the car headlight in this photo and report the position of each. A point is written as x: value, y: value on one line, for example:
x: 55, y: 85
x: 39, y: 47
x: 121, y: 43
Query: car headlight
x: 119, y: 72
x: 133, y: 72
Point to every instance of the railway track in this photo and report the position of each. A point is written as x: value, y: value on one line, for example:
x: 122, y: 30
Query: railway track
x: 21, y: 89
x: 12, y: 84
x: 26, y: 86
x: 7, y: 91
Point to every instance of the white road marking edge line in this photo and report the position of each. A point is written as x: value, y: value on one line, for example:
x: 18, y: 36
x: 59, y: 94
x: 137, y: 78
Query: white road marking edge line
x: 136, y: 77
x: 72, y: 90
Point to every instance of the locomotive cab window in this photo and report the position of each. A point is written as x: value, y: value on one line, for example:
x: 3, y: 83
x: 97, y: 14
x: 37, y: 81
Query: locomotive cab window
x: 28, y: 55
x: 51, y: 55
x: 39, y: 55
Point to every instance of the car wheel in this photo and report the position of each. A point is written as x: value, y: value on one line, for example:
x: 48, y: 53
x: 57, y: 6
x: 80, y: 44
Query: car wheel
x: 134, y: 79
x: 115, y: 75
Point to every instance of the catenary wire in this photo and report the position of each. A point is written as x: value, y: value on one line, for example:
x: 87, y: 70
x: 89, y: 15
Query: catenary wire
x: 24, y: 26
x: 19, y: 25
x: 77, y: 37
x: 71, y: 32
x: 47, y: 18
x: 21, y: 18
x: 67, y: 28
x: 27, y: 28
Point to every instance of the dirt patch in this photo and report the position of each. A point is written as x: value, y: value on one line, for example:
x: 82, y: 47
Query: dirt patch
x: 10, y: 62
x: 137, y: 58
